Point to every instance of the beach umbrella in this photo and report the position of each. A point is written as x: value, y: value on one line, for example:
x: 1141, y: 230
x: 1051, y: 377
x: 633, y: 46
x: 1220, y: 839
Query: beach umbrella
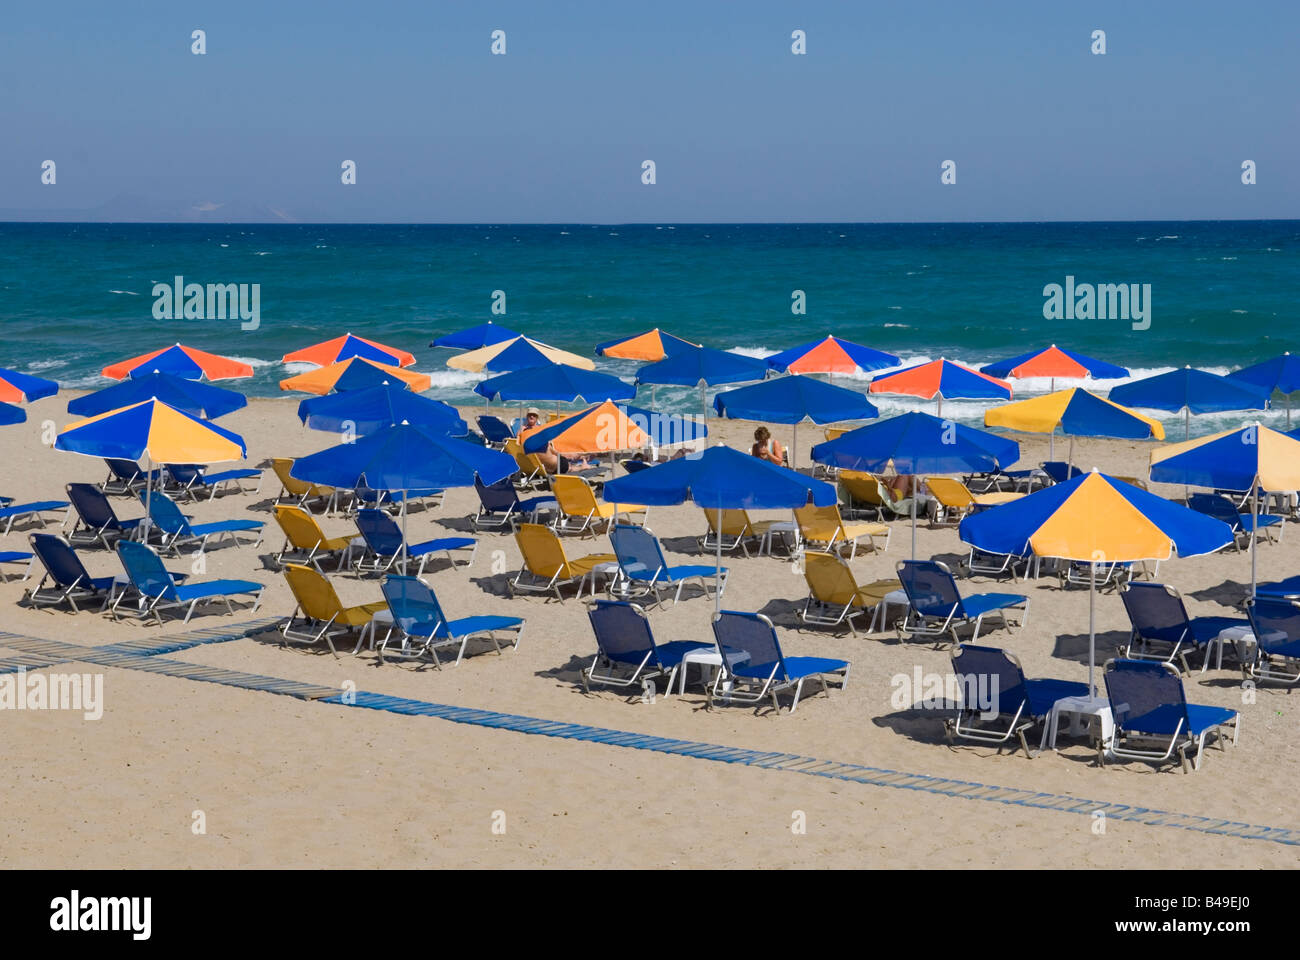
x: 793, y: 399
x: 702, y: 367
x: 607, y: 427
x: 554, y: 381
x: 917, y: 443
x: 471, y: 338
x: 18, y: 387
x: 189, y: 396
x: 1095, y: 518
x: 720, y: 478
x: 345, y: 348
x: 9, y: 415
x: 831, y: 355
x: 515, y: 355
x: 356, y: 373
x: 1278, y: 375
x: 1076, y: 413
x: 155, y: 431
x: 649, y: 347
x: 1250, y: 458
x: 404, y: 457
x: 1190, y: 391
x: 367, y: 411
x: 180, y: 361
x: 942, y: 380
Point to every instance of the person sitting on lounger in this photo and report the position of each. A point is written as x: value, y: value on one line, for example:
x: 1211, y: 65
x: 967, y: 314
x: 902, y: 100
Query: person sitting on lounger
x: 766, y: 447
x: 550, y: 460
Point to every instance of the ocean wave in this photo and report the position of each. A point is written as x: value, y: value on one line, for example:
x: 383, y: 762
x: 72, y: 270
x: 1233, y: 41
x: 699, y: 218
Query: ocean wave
x: 758, y: 353
x: 129, y: 293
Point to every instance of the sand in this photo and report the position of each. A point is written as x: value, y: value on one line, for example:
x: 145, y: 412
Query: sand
x: 285, y: 782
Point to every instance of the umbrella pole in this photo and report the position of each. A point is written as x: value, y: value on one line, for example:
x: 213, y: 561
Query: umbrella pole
x: 1051, y: 437
x: 148, y: 494
x: 794, y: 448
x: 717, y: 569
x: 1092, y: 624
x: 1288, y: 412
x: 1070, y: 462
x: 704, y: 409
x: 1254, y: 522
x: 403, y: 533
x: 914, y: 517
x: 1187, y: 433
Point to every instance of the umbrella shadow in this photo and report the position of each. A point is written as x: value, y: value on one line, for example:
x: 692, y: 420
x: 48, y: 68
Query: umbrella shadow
x: 1074, y: 646
x: 1229, y: 593
x: 687, y: 545
x: 920, y: 722
x: 460, y: 524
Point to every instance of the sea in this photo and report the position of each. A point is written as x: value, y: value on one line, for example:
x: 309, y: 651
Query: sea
x: 75, y: 297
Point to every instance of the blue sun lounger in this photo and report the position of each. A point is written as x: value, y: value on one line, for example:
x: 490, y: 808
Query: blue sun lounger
x: 626, y: 652
x: 177, y: 531
x: 641, y: 563
x: 154, y: 588
x: 1276, y: 625
x: 1162, y: 630
x: 1221, y: 508
x: 97, y: 521
x: 752, y: 660
x: 16, y: 557
x: 422, y: 626
x: 384, y: 544
x: 495, y: 430
x: 935, y: 606
x: 499, y: 504
x: 125, y: 477
x: 1150, y: 707
x: 66, y: 579
x: 996, y: 678
x: 13, y: 512
x: 190, y: 478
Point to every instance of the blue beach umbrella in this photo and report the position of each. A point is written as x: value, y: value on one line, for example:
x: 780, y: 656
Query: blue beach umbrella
x: 1053, y: 362
x: 1278, y: 375
x: 702, y: 367
x: 651, y: 346
x: 9, y: 415
x: 191, y: 396
x: 917, y: 443
x: 471, y: 338
x: 374, y: 408
x: 557, y: 382
x: 793, y: 399
x: 1191, y: 391
x: 720, y: 478
x: 663, y: 430
x: 831, y: 355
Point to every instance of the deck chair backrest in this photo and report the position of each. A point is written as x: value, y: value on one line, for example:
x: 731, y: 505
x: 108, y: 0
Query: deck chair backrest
x: 638, y: 551
x: 542, y: 550
x: 950, y: 492
x: 818, y: 523
x: 622, y: 631
x: 412, y: 601
x: 282, y: 466
x: 992, y: 673
x: 574, y: 495
x: 184, y: 473
x: 164, y: 512
x: 930, y: 587
x: 60, y: 560
x: 125, y: 470
x: 494, y: 429
x: 497, y: 496
x: 829, y: 578
x: 1276, y: 624
x: 635, y: 466
x: 313, y: 591
x: 751, y: 633
x: 92, y: 506
x: 865, y: 488
x: 299, y: 526
x: 1146, y: 697
x: 735, y: 523
x: 1216, y: 506
x: 380, y: 532
x: 145, y: 569
x: 1156, y: 611
x: 1059, y: 471
x: 832, y: 433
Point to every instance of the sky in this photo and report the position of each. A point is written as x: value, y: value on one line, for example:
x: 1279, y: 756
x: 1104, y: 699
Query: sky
x: 740, y: 129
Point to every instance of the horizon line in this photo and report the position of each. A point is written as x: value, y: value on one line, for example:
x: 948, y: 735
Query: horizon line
x: 625, y: 223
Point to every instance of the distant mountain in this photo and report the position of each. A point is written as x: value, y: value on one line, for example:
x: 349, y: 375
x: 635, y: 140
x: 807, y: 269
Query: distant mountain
x: 133, y: 208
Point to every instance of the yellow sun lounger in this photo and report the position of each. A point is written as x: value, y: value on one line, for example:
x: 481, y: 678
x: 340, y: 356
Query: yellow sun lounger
x: 324, y: 616
x: 954, y: 500
x: 532, y: 473
x: 306, y: 541
x: 866, y: 492
x: 301, y: 490
x: 581, y: 512
x: 834, y: 596
x: 546, y: 566
x: 737, y: 531
x: 824, y: 525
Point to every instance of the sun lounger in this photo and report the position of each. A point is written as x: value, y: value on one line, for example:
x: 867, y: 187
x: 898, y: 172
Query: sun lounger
x: 995, y: 677
x: 1150, y: 707
x: 495, y: 430
x: 1058, y: 471
x: 97, y: 521
x: 738, y: 532
x: 1276, y: 626
x: 953, y: 500
x: 66, y: 579
x: 936, y: 607
x: 579, y: 510
x: 422, y: 627
x: 1162, y: 630
x: 532, y: 474
x: 546, y: 568
x: 641, y: 564
x: 155, y: 589
x: 834, y: 596
x: 753, y: 663
x: 305, y: 541
x: 21, y: 558
x: 299, y: 491
x: 824, y: 525
x: 323, y: 615
x: 1221, y: 508
x: 14, y: 512
x: 866, y: 493
x: 190, y: 479
x: 125, y: 477
x: 626, y: 652
x: 500, y: 506
x: 383, y: 541
x: 177, y: 530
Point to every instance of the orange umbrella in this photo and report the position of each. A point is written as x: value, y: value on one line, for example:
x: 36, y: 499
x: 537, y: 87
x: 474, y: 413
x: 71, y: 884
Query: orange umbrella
x: 345, y: 348
x: 940, y: 379
x: 601, y: 428
x: 359, y: 372
x: 180, y: 361
x: 650, y: 347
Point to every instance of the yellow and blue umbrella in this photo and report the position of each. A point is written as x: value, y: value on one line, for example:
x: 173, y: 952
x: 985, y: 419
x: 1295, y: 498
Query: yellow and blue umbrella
x: 1095, y: 519
x: 516, y: 354
x: 1076, y: 413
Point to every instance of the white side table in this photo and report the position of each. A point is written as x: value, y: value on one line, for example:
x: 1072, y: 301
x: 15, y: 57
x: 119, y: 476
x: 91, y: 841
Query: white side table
x: 788, y: 531
x: 1079, y: 708
x: 706, y: 657
x: 1242, y: 639
x: 882, y: 609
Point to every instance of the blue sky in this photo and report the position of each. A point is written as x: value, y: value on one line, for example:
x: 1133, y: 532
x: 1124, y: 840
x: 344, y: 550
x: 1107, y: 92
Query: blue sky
x: 740, y: 128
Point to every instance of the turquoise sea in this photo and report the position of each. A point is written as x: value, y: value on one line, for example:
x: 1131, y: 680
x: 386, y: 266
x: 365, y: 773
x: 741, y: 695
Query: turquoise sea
x: 75, y: 297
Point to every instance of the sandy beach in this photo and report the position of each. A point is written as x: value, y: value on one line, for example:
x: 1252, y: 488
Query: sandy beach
x: 288, y: 782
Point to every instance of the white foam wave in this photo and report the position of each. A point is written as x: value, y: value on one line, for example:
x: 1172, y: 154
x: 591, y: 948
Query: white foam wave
x: 758, y: 353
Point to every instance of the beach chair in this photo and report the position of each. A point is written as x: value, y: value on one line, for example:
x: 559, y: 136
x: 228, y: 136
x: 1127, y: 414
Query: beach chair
x: 822, y: 469
x: 383, y: 540
x: 636, y: 466
x: 935, y: 606
x: 546, y: 568
x: 1276, y: 626
x: 580, y: 512
x: 16, y: 558
x: 1221, y: 508
x: 305, y: 541
x: 12, y: 512
x: 298, y: 491
x: 1058, y: 471
x: 866, y: 493
x: 737, y: 532
x: 495, y: 430
x: 985, y: 563
x: 1162, y: 630
x: 641, y: 564
x: 154, y: 588
x: 421, y: 626
x: 753, y: 663
x: 97, y: 521
x: 177, y: 531
x: 1150, y: 707
x: 1078, y: 573
x: 825, y: 525
x: 66, y: 579
x: 993, y: 687
x: 500, y: 506
x: 834, y: 596
x: 125, y: 477
x: 626, y: 652
x: 323, y: 615
x: 532, y: 474
x: 190, y: 479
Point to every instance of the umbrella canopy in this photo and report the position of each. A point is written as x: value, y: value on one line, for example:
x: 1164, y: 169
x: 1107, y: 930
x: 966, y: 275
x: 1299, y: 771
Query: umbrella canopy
x: 1194, y: 391
x: 794, y: 399
x: 1278, y: 375
x: 1054, y: 362
x: 188, y: 396
x: 18, y: 387
x: 555, y: 381
x: 180, y: 361
x: 1077, y: 413
x: 151, y: 428
x: 354, y: 374
x: 701, y: 366
x: 367, y: 411
x: 649, y: 347
x: 1096, y: 519
x: 516, y: 354
x: 9, y: 414
x: 471, y: 338
x: 601, y: 428
x: 942, y: 380
x: 345, y: 348
x: 831, y: 355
